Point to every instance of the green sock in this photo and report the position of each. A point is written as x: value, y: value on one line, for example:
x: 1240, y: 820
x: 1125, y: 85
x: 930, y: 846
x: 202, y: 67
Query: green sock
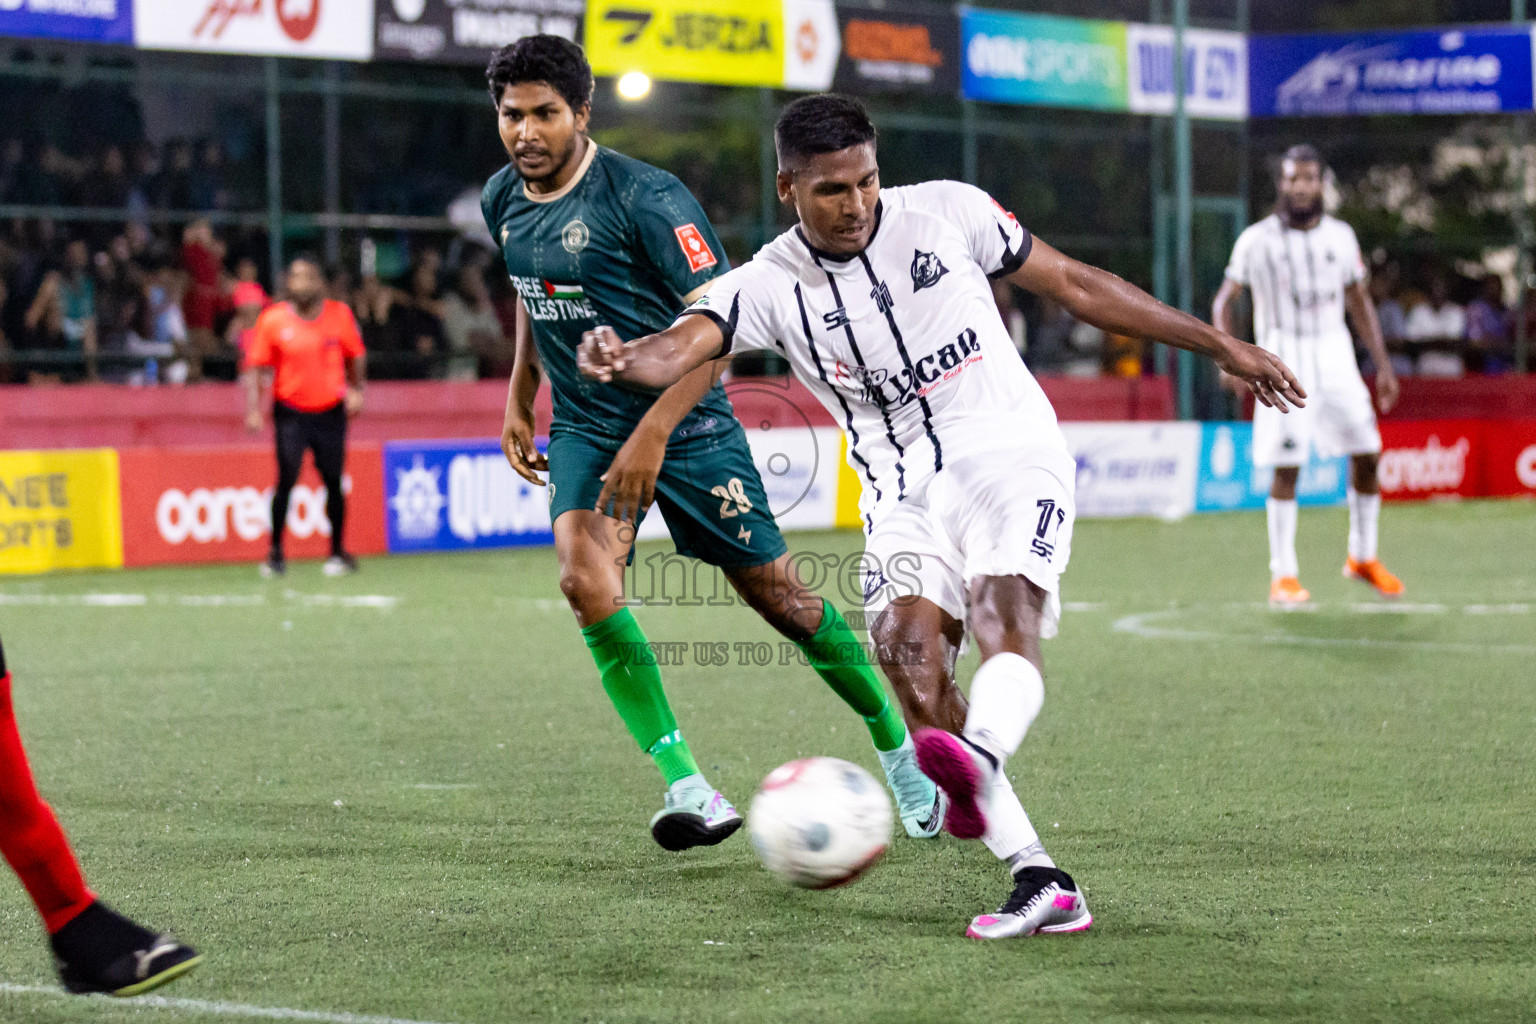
x: 633, y: 683
x: 838, y: 657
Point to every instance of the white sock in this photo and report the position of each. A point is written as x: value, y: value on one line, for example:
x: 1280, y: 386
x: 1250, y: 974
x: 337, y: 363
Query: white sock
x: 1010, y: 835
x: 1364, y: 512
x: 1282, y: 537
x: 1006, y: 695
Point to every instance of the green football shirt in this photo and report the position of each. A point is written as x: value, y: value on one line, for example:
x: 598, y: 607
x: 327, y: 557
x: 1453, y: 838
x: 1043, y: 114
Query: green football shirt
x: 621, y: 244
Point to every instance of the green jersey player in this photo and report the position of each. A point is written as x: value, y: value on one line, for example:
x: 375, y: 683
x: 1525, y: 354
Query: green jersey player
x: 593, y: 237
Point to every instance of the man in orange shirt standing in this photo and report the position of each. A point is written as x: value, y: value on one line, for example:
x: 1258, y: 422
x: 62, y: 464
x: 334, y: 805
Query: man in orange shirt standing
x: 311, y: 347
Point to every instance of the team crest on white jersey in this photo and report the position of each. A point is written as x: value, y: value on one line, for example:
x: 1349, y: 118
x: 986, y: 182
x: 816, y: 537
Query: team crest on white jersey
x: 926, y: 270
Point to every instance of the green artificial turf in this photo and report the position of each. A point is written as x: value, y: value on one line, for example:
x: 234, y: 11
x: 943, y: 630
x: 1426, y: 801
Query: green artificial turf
x: 429, y: 811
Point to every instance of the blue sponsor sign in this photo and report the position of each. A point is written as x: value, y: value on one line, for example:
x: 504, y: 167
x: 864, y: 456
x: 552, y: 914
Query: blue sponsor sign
x: 452, y: 495
x: 96, y: 21
x: 1228, y: 478
x: 1441, y: 71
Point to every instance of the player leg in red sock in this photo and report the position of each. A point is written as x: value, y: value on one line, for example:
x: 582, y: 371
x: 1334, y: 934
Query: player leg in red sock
x: 98, y: 950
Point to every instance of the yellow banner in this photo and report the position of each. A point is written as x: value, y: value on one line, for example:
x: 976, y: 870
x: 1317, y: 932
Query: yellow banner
x: 726, y: 42
x: 849, y: 490
x: 60, y: 510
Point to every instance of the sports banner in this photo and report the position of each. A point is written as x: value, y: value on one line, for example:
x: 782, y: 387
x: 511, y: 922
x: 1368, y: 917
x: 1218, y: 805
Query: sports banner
x: 457, y: 494
x: 1509, y: 466
x: 1134, y: 469
x: 791, y: 44
x: 1480, y: 70
x: 466, y: 31
x: 893, y: 49
x: 339, y: 29
x: 1229, y: 479
x: 93, y: 21
x: 1432, y: 459
x: 1043, y: 60
x: 184, y: 505
x: 59, y: 510
x: 1215, y: 72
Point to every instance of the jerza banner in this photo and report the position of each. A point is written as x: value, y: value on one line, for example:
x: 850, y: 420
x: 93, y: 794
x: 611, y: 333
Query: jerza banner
x: 466, y: 31
x: 791, y: 44
x: 895, y: 50
x: 340, y: 29
x: 1043, y: 60
x: 182, y: 505
x: 94, y: 21
x: 1438, y: 71
x: 59, y: 510
x: 1215, y: 72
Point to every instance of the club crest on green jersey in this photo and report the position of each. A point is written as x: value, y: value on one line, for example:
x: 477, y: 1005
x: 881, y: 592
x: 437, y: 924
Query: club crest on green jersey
x: 575, y: 236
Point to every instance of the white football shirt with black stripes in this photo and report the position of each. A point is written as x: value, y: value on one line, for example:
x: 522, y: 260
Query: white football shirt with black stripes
x: 1298, y: 280
x: 902, y: 343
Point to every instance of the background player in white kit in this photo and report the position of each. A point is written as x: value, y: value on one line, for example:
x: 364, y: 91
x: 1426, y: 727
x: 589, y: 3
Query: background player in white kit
x: 880, y: 300
x: 1305, y: 272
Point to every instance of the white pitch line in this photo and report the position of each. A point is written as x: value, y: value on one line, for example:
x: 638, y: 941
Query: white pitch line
x: 382, y: 602
x: 445, y: 785
x: 1395, y: 608
x: 93, y: 600
x: 1141, y: 625
x: 214, y: 1008
x: 1497, y: 609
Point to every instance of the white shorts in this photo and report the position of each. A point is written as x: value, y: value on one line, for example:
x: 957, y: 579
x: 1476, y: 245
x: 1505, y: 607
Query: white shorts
x: 1338, y: 418
x: 1001, y: 513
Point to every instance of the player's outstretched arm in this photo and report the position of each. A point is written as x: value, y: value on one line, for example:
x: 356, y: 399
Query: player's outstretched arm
x: 629, y: 485
x: 654, y: 362
x: 1100, y: 298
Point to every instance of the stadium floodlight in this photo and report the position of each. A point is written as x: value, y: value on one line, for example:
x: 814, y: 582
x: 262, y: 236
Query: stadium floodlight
x: 634, y: 86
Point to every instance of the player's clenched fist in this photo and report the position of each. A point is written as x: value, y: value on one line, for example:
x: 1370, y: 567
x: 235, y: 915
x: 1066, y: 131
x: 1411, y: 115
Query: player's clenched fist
x: 1270, y: 380
x: 601, y: 354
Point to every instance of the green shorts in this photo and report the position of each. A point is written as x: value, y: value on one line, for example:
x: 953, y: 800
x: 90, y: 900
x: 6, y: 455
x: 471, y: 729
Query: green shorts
x: 708, y: 491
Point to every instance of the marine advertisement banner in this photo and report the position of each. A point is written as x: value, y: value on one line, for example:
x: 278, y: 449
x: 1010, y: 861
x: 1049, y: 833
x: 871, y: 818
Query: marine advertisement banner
x: 1481, y: 70
x: 466, y: 31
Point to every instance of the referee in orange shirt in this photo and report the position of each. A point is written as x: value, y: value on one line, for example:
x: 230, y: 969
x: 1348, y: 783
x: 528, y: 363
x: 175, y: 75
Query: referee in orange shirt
x: 311, y: 347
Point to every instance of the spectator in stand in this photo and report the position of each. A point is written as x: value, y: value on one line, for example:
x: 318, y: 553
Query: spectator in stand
x: 143, y: 181
x: 249, y: 300
x: 470, y: 324
x: 109, y: 185
x: 1442, y: 323
x: 175, y: 182
x: 202, y: 257
x: 1393, y: 320
x: 1490, y: 328
x: 12, y: 156
x: 377, y: 307
x: 421, y: 318
x: 168, y: 329
x: 119, y: 302
x: 209, y: 191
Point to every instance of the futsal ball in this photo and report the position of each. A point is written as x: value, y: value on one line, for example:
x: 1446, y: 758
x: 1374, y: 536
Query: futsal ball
x: 820, y: 822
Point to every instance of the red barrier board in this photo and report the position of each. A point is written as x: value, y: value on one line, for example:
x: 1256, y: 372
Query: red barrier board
x: 1433, y: 458
x: 1509, y: 466
x: 184, y: 505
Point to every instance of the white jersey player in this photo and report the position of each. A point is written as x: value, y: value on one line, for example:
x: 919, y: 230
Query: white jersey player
x: 1305, y: 272
x: 881, y: 301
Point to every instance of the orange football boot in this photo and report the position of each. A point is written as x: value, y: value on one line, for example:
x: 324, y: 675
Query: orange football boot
x: 1287, y: 592
x: 1376, y: 574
